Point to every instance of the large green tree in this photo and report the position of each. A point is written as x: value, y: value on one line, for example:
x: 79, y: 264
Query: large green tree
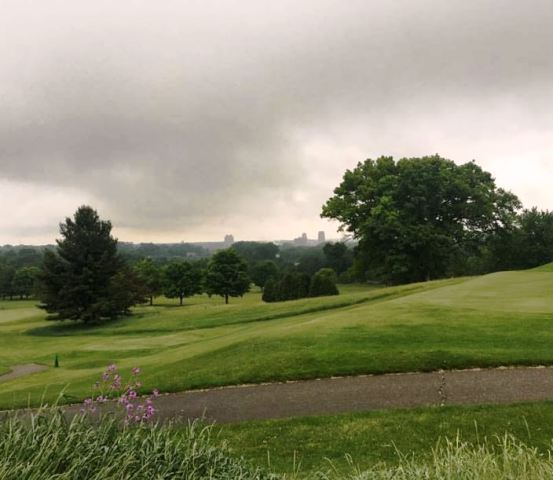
x: 151, y: 277
x: 181, y: 280
x: 416, y: 216
x: 227, y: 275
x: 85, y: 278
x: 256, y: 251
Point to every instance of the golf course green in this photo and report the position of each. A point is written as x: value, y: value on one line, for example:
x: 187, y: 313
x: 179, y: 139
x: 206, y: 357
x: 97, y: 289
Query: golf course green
x: 499, y: 319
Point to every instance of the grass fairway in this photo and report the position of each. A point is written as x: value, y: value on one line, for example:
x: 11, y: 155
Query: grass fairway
x: 504, y: 318
x: 307, y: 445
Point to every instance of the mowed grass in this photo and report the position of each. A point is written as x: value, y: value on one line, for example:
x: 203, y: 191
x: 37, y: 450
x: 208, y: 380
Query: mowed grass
x: 499, y: 319
x: 362, y: 440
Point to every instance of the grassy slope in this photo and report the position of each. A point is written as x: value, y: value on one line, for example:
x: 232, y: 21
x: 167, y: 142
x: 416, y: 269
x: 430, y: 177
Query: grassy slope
x: 374, y: 437
x: 503, y: 318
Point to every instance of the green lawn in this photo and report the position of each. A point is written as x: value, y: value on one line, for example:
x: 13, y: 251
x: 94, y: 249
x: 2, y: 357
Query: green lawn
x: 504, y: 318
x: 311, y: 444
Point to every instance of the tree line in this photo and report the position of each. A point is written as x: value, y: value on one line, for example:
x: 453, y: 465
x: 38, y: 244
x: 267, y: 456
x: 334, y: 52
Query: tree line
x: 158, y: 265
x: 18, y: 271
x: 295, y: 285
x: 18, y: 283
x: 86, y: 278
x: 225, y: 275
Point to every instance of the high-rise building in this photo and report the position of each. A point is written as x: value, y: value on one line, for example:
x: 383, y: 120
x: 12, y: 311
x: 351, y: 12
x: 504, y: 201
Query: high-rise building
x: 321, y: 237
x: 301, y: 241
x: 229, y: 240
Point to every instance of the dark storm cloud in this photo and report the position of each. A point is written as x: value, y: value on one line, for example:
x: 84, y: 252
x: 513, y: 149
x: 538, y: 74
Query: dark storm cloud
x: 183, y: 113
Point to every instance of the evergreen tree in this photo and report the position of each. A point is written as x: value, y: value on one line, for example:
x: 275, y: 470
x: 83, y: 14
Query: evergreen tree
x: 84, y: 278
x: 227, y: 275
x: 303, y: 285
x: 181, y: 280
x: 289, y: 287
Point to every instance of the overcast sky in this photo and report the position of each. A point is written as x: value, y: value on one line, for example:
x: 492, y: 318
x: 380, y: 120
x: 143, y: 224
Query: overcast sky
x: 186, y: 120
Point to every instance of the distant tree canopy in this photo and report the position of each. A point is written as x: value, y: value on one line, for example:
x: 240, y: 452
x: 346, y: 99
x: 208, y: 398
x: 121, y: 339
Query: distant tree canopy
x: 161, y: 253
x: 338, y: 256
x: 227, y: 275
x: 529, y: 243
x: 295, y: 285
x: 7, y: 275
x: 256, y: 251
x: 416, y: 217
x: 85, y: 278
x: 261, y: 272
x: 18, y: 270
x: 25, y: 281
x: 304, y: 259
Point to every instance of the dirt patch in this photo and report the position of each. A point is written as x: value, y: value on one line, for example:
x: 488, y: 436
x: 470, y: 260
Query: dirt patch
x: 21, y: 371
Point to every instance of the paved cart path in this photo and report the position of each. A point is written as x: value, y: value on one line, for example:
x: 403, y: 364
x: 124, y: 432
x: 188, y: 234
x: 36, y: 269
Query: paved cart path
x: 354, y: 394
x: 370, y: 392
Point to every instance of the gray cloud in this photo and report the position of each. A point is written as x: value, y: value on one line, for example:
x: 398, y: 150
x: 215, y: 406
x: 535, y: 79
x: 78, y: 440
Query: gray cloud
x: 194, y: 116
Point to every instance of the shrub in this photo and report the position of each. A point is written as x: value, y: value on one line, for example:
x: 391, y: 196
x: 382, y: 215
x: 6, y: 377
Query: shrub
x: 270, y: 292
x: 295, y: 285
x: 323, y: 283
x: 291, y: 286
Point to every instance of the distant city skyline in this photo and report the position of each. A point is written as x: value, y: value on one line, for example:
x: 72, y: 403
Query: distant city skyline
x: 228, y: 239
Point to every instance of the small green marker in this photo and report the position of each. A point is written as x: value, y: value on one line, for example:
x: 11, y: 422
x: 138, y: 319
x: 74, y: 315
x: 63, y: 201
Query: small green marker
x: 56, y: 362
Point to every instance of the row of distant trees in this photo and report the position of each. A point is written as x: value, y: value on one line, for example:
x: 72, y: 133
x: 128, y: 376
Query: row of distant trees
x: 18, y: 283
x: 18, y: 271
x: 181, y: 270
x: 225, y: 275
x: 181, y: 279
x: 87, y: 278
x: 295, y: 285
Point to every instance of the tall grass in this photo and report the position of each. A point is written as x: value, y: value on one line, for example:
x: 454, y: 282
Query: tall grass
x: 48, y: 446
x: 503, y: 459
